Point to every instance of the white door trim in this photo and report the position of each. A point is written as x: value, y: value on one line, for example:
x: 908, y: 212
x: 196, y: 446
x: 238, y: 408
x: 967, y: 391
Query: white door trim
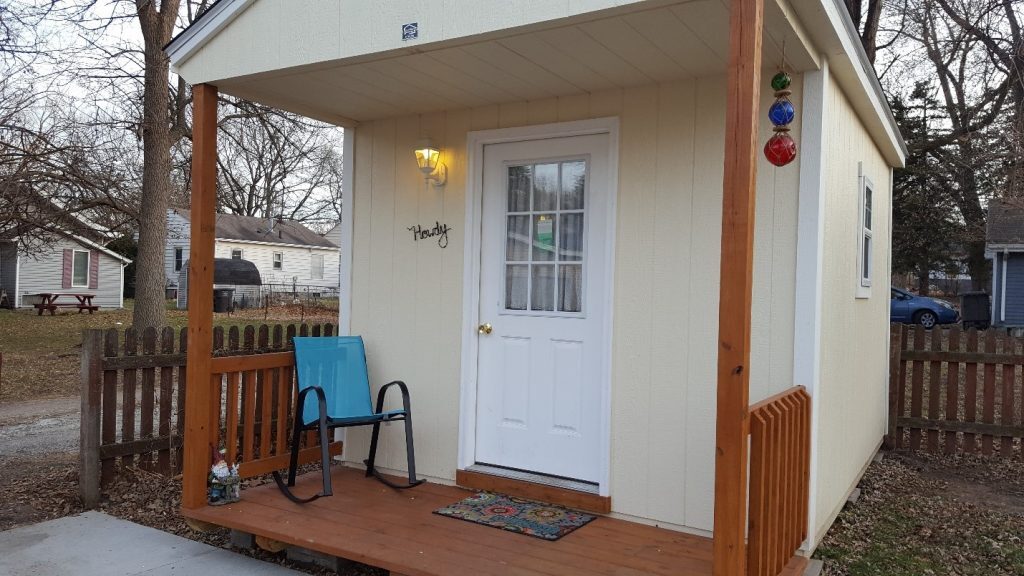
x: 471, y: 273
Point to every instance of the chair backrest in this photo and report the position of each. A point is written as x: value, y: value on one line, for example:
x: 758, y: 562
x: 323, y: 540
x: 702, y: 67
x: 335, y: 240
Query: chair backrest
x: 338, y: 365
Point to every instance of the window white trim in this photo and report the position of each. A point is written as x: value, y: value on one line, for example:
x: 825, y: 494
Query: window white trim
x: 277, y: 261
x: 316, y: 272
x: 865, y: 234
x: 241, y: 254
x: 179, y: 258
x: 74, y: 259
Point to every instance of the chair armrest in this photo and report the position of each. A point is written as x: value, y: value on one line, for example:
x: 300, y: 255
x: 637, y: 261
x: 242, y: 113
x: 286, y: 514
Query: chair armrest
x: 383, y: 390
x: 301, y: 402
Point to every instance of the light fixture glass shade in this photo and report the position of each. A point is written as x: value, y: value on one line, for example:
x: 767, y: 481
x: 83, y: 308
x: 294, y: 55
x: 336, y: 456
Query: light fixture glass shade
x: 427, y: 156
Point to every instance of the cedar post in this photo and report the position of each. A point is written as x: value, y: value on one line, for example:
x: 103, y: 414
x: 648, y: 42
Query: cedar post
x: 895, y: 358
x: 91, y: 388
x: 200, y: 296
x: 743, y: 91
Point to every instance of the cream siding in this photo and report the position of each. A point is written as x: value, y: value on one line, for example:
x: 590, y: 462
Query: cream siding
x: 43, y: 272
x: 851, y: 400
x: 407, y: 297
x: 271, y: 35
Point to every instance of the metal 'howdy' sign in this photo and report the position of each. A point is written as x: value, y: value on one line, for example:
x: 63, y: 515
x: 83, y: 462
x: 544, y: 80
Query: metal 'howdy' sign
x: 440, y: 231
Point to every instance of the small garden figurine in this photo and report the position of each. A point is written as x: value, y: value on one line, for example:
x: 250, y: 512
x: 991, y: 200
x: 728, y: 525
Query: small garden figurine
x: 224, y: 485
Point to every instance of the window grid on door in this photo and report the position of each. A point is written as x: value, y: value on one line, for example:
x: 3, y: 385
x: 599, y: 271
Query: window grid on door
x: 544, y: 247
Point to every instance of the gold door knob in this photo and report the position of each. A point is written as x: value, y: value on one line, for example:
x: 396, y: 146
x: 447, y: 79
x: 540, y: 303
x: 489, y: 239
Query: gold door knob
x: 484, y: 328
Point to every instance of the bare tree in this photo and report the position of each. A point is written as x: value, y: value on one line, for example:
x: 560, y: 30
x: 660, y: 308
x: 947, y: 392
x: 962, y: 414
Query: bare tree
x: 277, y: 164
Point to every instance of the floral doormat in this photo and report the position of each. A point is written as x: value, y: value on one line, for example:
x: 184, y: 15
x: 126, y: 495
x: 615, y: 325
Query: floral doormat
x: 517, y: 515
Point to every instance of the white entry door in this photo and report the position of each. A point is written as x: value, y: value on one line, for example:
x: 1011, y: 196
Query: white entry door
x: 543, y: 306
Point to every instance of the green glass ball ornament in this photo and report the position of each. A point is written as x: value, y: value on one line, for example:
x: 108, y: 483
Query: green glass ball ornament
x: 781, y: 81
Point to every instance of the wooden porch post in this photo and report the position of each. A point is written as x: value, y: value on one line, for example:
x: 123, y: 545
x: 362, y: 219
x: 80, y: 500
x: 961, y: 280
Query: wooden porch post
x: 200, y: 296
x: 743, y: 78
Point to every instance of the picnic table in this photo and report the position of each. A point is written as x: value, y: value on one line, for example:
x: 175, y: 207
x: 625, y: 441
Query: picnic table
x: 48, y: 301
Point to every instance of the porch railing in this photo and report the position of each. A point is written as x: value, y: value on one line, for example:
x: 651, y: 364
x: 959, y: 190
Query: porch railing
x: 253, y: 401
x: 780, y: 449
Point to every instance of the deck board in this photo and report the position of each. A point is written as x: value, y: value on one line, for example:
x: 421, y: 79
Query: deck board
x: 397, y: 531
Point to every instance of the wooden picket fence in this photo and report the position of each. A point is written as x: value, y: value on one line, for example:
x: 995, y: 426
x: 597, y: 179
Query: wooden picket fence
x: 955, y: 391
x: 133, y: 397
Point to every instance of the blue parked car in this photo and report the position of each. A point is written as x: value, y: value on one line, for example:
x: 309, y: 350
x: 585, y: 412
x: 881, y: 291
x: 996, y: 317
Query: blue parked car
x: 907, y: 308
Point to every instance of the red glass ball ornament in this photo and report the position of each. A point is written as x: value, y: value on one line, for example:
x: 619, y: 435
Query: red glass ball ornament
x: 780, y: 149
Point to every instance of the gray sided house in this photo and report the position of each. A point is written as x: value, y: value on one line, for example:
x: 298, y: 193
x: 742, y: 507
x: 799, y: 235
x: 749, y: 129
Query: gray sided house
x: 64, y: 263
x: 1004, y: 245
x: 285, y: 253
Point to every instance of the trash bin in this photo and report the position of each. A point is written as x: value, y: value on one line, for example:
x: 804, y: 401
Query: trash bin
x: 171, y: 293
x: 222, y: 299
x: 975, y: 309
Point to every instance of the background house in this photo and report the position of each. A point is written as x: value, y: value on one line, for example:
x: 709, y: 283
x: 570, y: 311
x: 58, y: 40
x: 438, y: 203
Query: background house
x: 1004, y: 245
x: 287, y: 254
x: 61, y: 262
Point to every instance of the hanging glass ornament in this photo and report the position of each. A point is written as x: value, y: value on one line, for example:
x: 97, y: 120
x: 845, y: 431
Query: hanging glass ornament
x: 782, y: 112
x: 781, y: 81
x: 780, y: 148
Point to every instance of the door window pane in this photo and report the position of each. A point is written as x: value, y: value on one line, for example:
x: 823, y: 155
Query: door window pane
x: 516, y: 286
x: 544, y: 228
x: 570, y: 288
x: 517, y: 245
x: 545, y: 187
x: 542, y: 289
x: 573, y: 183
x: 570, y: 240
x: 544, y: 237
x: 519, y: 188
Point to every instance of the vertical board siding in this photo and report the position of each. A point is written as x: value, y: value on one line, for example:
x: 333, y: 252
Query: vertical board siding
x: 852, y: 397
x: 1014, y: 289
x: 407, y: 297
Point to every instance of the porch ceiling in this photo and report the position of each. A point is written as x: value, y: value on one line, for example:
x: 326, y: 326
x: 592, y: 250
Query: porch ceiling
x: 653, y: 42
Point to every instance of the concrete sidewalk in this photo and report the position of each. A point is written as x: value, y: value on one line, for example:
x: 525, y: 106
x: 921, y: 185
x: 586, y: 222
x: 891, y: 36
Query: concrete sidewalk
x: 95, y: 544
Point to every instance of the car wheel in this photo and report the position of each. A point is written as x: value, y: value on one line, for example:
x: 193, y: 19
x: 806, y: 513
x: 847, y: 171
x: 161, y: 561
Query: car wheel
x: 926, y: 318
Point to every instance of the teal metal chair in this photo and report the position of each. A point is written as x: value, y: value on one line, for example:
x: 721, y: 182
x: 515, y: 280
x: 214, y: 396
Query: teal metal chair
x: 334, y: 392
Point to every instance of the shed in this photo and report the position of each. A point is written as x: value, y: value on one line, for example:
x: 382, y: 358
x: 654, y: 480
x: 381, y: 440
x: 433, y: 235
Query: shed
x: 60, y: 262
x: 1004, y: 245
x: 240, y: 275
x: 561, y: 231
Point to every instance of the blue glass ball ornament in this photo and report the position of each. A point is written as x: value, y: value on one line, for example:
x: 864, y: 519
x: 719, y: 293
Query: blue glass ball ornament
x: 781, y: 112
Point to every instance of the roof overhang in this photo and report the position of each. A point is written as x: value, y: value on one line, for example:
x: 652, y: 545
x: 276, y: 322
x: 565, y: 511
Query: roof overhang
x: 366, y: 78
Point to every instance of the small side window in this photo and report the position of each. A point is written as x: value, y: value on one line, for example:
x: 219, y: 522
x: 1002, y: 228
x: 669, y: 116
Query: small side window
x: 179, y: 254
x: 866, y: 244
x: 278, y: 260
x: 236, y: 253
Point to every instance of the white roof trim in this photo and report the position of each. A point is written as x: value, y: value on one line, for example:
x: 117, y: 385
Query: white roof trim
x: 96, y: 246
x: 866, y: 73
x: 190, y: 40
x: 281, y: 244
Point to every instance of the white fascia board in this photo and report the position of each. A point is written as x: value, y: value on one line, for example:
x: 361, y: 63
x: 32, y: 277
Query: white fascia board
x: 215, y: 19
x: 106, y: 251
x: 282, y: 244
x: 991, y: 249
x: 830, y: 26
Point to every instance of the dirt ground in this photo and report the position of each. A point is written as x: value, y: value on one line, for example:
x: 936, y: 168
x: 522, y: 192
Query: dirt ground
x: 932, y: 515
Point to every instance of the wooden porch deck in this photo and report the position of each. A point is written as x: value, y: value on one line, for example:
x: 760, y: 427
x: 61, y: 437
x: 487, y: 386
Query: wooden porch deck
x: 373, y: 524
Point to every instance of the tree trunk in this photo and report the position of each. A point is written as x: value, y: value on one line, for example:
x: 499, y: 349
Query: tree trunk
x: 922, y: 282
x: 156, y: 172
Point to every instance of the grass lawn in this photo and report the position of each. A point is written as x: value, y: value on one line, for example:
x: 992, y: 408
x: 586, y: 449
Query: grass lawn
x: 41, y: 353
x: 921, y: 515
